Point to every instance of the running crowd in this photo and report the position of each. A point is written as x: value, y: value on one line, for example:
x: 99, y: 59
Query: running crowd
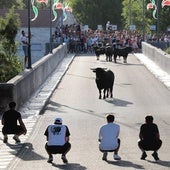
x: 83, y: 41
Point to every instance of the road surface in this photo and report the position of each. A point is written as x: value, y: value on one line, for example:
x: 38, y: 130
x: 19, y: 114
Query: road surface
x: 136, y: 93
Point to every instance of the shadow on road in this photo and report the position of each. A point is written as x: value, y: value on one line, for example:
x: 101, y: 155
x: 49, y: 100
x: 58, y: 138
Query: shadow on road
x: 69, y: 166
x: 26, y: 152
x: 162, y: 163
x: 125, y: 164
x: 118, y: 102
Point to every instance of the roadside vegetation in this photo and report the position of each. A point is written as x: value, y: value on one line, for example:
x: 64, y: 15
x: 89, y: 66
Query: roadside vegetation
x: 167, y: 50
x: 10, y: 65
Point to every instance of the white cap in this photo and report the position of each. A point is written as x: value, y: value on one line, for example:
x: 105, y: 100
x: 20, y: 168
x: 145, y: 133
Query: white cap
x: 58, y: 121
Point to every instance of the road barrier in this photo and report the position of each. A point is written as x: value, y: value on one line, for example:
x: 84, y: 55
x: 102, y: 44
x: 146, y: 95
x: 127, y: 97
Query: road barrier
x: 22, y: 86
x: 161, y: 58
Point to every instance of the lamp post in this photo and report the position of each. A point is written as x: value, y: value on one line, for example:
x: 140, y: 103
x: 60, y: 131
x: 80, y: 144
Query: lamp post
x: 157, y: 22
x: 143, y: 19
x: 130, y: 12
x: 29, y: 36
x: 50, y: 27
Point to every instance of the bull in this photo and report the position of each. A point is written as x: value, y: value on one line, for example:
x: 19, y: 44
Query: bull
x: 104, y: 81
x: 122, y: 52
x: 99, y: 51
x: 108, y: 52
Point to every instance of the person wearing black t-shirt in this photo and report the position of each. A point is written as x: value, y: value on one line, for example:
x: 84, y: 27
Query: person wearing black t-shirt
x: 149, y: 138
x: 10, y: 121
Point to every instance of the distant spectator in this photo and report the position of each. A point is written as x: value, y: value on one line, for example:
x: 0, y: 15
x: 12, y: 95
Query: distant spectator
x: 24, y: 43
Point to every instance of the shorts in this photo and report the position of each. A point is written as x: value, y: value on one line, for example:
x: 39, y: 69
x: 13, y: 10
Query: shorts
x: 25, y: 49
x: 58, y: 149
x: 113, y: 149
x: 150, y: 147
x: 17, y: 130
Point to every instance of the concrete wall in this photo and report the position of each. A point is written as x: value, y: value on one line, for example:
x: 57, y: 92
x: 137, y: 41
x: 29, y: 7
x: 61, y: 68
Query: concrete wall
x: 21, y: 87
x: 161, y: 58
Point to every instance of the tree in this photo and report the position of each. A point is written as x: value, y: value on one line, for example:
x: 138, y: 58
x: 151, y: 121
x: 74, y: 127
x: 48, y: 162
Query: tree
x: 132, y: 14
x: 97, y: 12
x: 9, y: 62
x: 5, y: 4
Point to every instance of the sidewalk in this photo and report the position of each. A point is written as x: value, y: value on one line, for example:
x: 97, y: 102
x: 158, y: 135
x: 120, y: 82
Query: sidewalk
x: 161, y: 75
x: 31, y: 109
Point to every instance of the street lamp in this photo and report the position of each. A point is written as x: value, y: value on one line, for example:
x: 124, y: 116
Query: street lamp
x: 50, y: 27
x: 143, y: 14
x: 130, y: 13
x: 29, y: 36
x: 157, y: 23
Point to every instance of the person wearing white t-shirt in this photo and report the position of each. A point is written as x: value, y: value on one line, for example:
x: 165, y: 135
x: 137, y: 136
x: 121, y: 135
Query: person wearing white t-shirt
x: 108, y: 138
x: 24, y: 43
x: 57, y: 140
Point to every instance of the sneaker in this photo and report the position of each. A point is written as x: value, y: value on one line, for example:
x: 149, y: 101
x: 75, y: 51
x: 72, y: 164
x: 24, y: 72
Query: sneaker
x: 104, y: 158
x: 144, y: 155
x: 117, y: 157
x: 5, y: 140
x: 63, y: 157
x: 50, y: 159
x: 16, y: 138
x: 155, y: 155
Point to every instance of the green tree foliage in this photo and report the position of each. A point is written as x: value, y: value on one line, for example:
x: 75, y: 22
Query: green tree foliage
x: 9, y: 63
x: 5, y: 4
x: 97, y: 12
x: 132, y: 14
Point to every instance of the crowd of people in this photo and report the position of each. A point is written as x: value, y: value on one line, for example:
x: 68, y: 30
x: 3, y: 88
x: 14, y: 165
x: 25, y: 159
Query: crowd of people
x: 82, y: 41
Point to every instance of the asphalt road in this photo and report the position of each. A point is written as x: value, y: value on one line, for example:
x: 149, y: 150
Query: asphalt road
x: 136, y: 93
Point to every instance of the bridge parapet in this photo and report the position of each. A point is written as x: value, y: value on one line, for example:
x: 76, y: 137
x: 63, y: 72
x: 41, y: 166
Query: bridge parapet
x: 160, y: 57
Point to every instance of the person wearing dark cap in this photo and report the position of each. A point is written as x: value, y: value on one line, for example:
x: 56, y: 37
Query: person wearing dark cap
x: 10, y: 121
x: 57, y: 140
x: 149, y: 138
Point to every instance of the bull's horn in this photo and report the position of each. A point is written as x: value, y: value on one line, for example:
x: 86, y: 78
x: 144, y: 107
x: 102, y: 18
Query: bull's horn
x: 92, y: 69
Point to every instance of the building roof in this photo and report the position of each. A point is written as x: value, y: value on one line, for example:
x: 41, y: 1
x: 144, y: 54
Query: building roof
x: 43, y: 19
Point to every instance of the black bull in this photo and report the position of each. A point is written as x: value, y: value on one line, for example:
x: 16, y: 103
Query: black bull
x: 104, y: 81
x: 122, y: 52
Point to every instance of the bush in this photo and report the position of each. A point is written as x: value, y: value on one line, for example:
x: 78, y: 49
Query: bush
x: 9, y: 67
x: 168, y: 50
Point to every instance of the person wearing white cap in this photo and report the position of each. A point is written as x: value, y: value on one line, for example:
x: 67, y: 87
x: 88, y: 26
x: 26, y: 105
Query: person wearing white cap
x: 57, y: 140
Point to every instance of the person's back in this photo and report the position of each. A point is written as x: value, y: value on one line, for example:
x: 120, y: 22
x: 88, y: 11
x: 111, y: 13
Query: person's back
x: 56, y: 135
x: 109, y: 133
x: 149, y: 133
x: 10, y: 119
